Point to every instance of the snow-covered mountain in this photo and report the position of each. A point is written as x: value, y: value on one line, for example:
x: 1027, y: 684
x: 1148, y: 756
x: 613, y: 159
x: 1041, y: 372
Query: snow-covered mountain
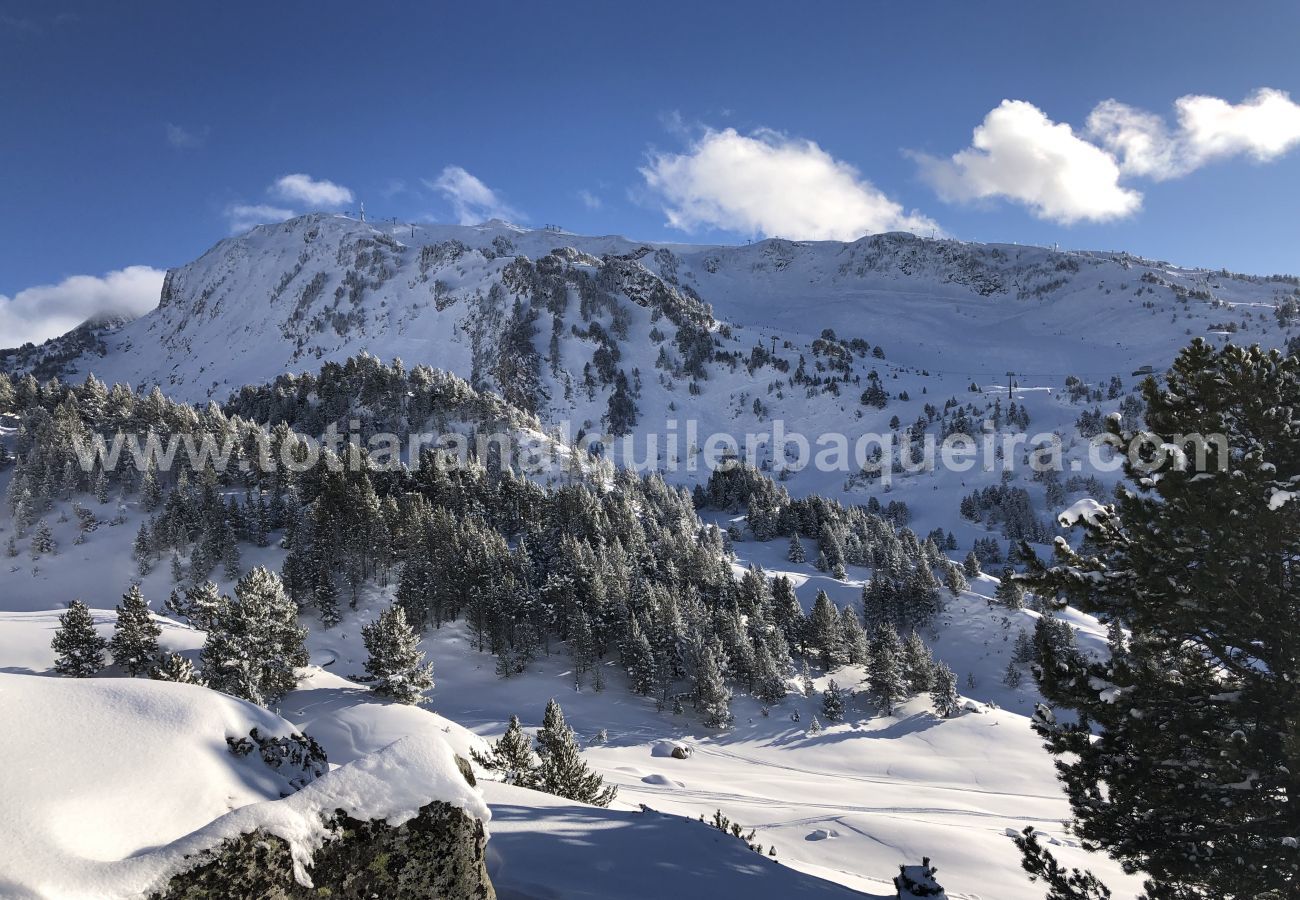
x: 474, y: 300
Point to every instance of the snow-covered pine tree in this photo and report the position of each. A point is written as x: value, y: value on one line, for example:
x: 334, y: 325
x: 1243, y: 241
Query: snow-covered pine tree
x: 918, y: 664
x: 971, y: 565
x: 639, y: 660
x: 255, y: 643
x: 886, y: 686
x: 325, y: 594
x: 832, y: 702
x: 805, y: 679
x: 78, y: 648
x: 852, y: 636
x: 1010, y: 593
x: 943, y: 691
x: 814, y: 727
x: 563, y: 771
x: 824, y: 629
x: 135, y: 635
x: 1012, y: 676
x: 174, y: 667
x: 712, y: 696
x: 42, y: 543
x: 512, y: 755
x: 954, y: 578
x: 396, y: 661
x: 143, y: 550
x: 203, y: 605
x: 796, y: 553
x: 1191, y: 777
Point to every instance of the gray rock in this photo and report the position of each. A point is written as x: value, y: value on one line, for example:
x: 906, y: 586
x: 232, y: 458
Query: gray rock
x: 438, y: 854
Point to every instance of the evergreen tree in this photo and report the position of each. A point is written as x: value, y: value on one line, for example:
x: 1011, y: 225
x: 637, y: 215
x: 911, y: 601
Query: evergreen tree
x: 832, y: 702
x: 712, y: 696
x: 1191, y: 777
x: 325, y: 594
x: 255, y: 642
x: 78, y: 647
x: 135, y: 635
x: 852, y: 637
x: 396, y: 661
x: 814, y: 727
x: 1024, y: 652
x: 795, y: 553
x: 563, y: 771
x: 638, y: 659
x: 42, y: 543
x: 971, y: 565
x: 824, y: 629
x: 886, y: 686
x: 918, y: 664
x: 512, y: 755
x: 1010, y: 593
x: 1073, y: 884
x: 143, y: 550
x: 1012, y: 677
x: 174, y: 667
x: 203, y: 604
x: 943, y: 691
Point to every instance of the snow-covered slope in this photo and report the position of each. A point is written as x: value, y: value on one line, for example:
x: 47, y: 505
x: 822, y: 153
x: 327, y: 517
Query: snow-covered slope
x: 100, y: 771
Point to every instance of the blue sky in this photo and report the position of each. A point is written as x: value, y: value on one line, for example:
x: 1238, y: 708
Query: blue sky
x: 138, y: 134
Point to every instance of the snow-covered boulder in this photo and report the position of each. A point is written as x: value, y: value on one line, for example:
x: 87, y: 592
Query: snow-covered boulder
x: 119, y: 787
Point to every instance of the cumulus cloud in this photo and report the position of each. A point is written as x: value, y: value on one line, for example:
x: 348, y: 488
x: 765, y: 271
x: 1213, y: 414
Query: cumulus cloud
x: 1264, y: 126
x: 243, y: 216
x: 300, y: 188
x: 39, y: 313
x: 770, y: 184
x: 1020, y: 154
x: 471, y: 200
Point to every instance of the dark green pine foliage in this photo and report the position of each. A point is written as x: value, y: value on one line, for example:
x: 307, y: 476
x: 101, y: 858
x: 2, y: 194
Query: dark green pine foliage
x: 135, y: 635
x: 832, y: 702
x: 824, y: 630
x: 512, y: 755
x: 943, y: 691
x: 639, y: 660
x: 796, y: 553
x: 886, y: 686
x: 255, y: 643
x: 396, y: 661
x: 1010, y: 593
x: 78, y: 648
x: 563, y: 771
x: 1185, y: 762
x: 918, y: 664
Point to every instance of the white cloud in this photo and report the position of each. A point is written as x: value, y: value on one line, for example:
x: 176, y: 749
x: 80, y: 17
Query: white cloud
x: 300, y: 188
x: 1264, y: 126
x: 472, y: 200
x: 1020, y: 154
x: 590, y: 200
x: 182, y: 138
x: 770, y: 184
x: 243, y: 216
x: 39, y: 313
